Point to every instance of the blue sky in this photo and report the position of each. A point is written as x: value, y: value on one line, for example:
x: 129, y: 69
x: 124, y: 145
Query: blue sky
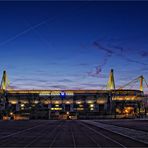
x: 73, y: 45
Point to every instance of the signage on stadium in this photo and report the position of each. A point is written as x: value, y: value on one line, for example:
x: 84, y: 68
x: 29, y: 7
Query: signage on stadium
x: 42, y: 94
x: 57, y: 93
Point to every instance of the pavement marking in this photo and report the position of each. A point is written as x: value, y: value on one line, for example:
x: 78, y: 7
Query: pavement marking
x: 38, y: 137
x: 54, y: 139
x: 94, y: 141
x: 104, y: 135
x: 73, y: 137
x: 22, y: 131
x: 117, y: 127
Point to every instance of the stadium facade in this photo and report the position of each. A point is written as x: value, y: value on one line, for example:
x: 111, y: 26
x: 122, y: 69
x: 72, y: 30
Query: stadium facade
x: 63, y: 104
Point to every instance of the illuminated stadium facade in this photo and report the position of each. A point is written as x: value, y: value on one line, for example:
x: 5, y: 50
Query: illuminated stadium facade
x: 59, y: 104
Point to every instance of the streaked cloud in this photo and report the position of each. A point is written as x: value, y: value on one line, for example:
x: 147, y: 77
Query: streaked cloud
x: 144, y: 54
x: 97, y: 45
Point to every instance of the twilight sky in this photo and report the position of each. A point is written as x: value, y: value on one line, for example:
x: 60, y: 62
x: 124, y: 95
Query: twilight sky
x: 73, y: 45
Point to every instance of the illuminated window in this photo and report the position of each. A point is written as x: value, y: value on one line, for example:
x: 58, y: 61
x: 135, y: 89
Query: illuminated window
x: 56, y: 108
x: 22, y: 105
x: 80, y: 109
x: 78, y: 102
x: 89, y: 102
x: 56, y: 102
x: 91, y: 105
x: 36, y: 101
x: 80, y: 105
x: 67, y: 102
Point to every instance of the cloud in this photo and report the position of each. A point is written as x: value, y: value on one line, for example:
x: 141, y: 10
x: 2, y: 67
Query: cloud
x: 59, y: 86
x: 93, y: 85
x: 83, y: 64
x: 120, y: 53
x: 65, y: 80
x: 134, y: 61
x: 123, y: 55
x: 144, y: 54
x: 28, y: 79
x: 97, y: 45
x: 97, y: 72
x: 12, y: 87
x: 119, y: 48
x: 98, y: 69
x: 144, y: 69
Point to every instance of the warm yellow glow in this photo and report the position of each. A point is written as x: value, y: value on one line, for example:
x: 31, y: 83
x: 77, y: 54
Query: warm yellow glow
x: 69, y: 93
x: 47, y: 102
x: 118, y: 110
x: 24, y: 101
x: 6, y: 118
x: 120, y: 98
x: 91, y: 105
x: 78, y: 102
x: 13, y: 102
x: 80, y: 109
x: 67, y: 113
x: 128, y: 110
x: 36, y: 102
x: 44, y: 94
x: 91, y: 108
x: 19, y: 117
x: 56, y: 102
x: 89, y: 101
x: 67, y: 102
x: 55, y: 93
x: 22, y: 105
x: 101, y: 101
x: 11, y: 113
x: 56, y: 108
x: 80, y: 105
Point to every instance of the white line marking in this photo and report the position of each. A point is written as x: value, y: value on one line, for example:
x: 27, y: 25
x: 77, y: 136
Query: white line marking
x: 21, y: 131
x: 138, y: 140
x: 103, y: 135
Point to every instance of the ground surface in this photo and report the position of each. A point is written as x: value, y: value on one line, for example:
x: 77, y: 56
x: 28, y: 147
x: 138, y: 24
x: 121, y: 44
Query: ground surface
x: 133, y: 124
x: 36, y: 133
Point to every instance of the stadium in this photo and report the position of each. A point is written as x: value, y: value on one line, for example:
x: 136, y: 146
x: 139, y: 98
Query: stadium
x: 72, y: 104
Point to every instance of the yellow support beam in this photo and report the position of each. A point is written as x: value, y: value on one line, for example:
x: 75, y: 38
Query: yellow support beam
x: 141, y: 83
x: 5, y: 82
x: 111, y: 82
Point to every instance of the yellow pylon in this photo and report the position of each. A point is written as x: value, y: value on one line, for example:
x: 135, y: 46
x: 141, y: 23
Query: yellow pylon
x: 141, y: 83
x: 5, y: 82
x: 111, y: 82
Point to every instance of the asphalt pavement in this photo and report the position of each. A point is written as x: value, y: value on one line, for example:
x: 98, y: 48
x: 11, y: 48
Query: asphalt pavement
x: 60, y: 133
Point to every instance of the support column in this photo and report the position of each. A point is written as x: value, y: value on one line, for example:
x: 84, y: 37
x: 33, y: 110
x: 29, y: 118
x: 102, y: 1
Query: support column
x: 63, y: 107
x: 49, y: 111
x: 71, y: 107
x: 17, y: 107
